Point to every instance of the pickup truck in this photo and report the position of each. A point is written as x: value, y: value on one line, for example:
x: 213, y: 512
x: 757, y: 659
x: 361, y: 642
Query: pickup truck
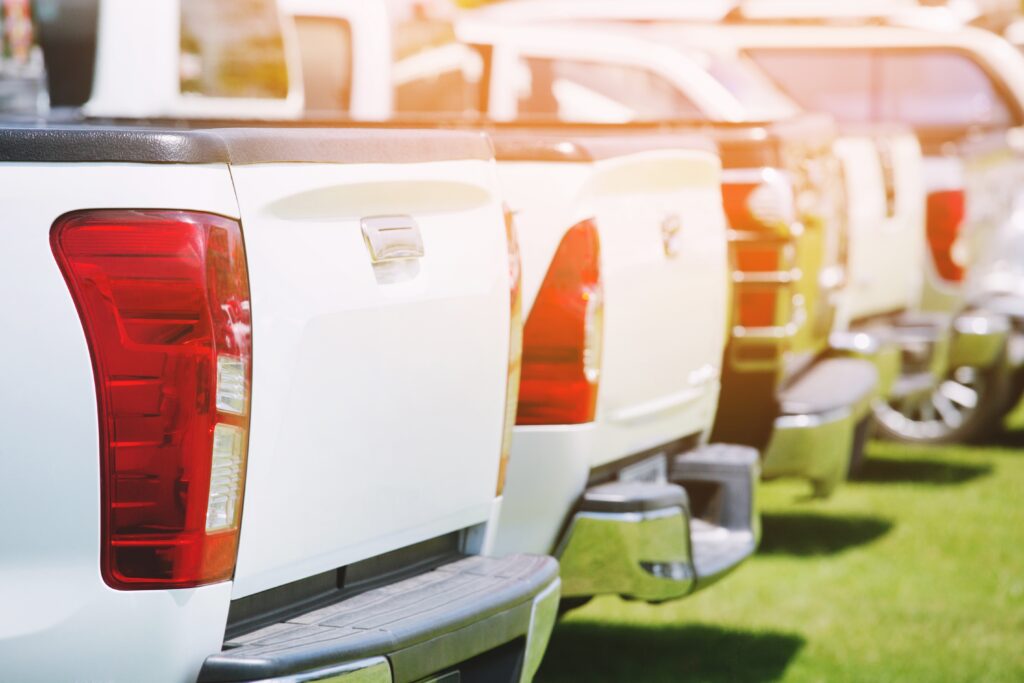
x: 950, y: 382
x: 966, y: 108
x: 610, y: 467
x: 287, y: 364
x: 782, y: 195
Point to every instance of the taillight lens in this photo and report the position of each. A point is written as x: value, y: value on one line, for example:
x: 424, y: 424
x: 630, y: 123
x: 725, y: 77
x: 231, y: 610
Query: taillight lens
x: 946, y: 211
x: 767, y: 202
x: 164, y: 302
x: 563, y: 335
x: 515, y: 347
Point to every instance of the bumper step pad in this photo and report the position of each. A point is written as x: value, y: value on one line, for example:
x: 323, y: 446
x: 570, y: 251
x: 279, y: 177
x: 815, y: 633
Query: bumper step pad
x: 658, y: 541
x: 422, y: 625
x: 814, y: 437
x: 726, y: 527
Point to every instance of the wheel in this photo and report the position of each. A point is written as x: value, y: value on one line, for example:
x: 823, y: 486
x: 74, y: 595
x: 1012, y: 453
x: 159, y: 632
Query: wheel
x: 968, y: 404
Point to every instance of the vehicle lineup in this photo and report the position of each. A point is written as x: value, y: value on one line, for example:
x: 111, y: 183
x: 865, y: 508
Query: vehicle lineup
x: 364, y: 362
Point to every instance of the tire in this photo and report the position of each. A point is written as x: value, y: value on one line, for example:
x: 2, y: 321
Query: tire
x: 946, y: 415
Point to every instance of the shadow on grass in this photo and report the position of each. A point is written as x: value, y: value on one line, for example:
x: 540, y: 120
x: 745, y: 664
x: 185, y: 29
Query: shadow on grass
x: 1002, y: 438
x: 936, y: 472
x: 613, y: 652
x: 810, y: 534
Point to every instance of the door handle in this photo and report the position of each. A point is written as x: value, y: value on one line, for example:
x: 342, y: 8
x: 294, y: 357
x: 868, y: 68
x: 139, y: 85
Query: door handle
x: 392, y: 238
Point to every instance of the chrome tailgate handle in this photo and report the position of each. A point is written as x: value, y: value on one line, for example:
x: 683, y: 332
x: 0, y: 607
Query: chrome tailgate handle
x: 391, y: 238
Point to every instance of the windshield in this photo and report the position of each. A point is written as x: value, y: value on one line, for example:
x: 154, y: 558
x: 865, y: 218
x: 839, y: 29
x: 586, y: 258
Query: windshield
x: 926, y: 88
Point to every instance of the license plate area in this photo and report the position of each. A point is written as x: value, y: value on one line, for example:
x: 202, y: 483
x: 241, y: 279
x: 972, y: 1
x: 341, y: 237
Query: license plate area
x: 652, y: 470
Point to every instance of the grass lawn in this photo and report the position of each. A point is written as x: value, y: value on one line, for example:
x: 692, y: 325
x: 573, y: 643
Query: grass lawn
x: 914, y: 573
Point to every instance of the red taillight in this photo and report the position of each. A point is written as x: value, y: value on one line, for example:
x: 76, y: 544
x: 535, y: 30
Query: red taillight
x: 515, y: 347
x: 946, y: 210
x: 563, y: 335
x: 164, y: 301
x: 764, y: 200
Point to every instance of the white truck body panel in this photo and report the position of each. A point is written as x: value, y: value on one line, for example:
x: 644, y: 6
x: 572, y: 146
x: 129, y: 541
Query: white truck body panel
x: 665, y: 320
x: 50, y: 579
x: 886, y: 252
x: 335, y: 407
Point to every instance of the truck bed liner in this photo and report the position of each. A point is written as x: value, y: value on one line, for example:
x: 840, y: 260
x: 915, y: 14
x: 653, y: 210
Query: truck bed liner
x: 475, y: 603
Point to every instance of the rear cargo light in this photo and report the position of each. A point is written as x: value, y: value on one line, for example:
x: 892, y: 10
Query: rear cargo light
x: 756, y: 200
x: 563, y: 335
x: 946, y: 211
x: 515, y: 346
x: 164, y: 302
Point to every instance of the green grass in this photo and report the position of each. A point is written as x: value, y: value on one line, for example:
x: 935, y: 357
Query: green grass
x: 914, y: 573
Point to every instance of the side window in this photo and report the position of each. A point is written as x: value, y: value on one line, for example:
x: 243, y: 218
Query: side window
x: 447, y: 79
x: 925, y: 88
x: 836, y: 81
x: 938, y: 89
x: 326, y: 46
x: 232, y: 48
x: 592, y: 92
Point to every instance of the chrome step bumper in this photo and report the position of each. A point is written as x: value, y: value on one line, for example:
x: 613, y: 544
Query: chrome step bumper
x: 425, y: 625
x: 641, y: 540
x: 814, y: 434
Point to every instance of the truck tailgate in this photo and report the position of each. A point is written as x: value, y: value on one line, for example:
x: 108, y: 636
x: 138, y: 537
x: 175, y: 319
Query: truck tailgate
x: 378, y: 388
x: 665, y: 269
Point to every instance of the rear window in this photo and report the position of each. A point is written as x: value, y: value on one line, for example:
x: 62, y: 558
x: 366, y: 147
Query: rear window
x: 927, y: 89
x: 326, y: 63
x: 22, y: 77
x: 760, y: 97
x: 232, y: 48
x: 593, y: 92
x: 442, y: 79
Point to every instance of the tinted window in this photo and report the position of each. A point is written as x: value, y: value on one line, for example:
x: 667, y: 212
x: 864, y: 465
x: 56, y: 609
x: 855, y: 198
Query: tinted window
x: 760, y: 98
x: 22, y: 85
x: 232, y: 48
x: 938, y: 89
x: 326, y: 63
x: 926, y: 88
x: 440, y: 80
x: 592, y: 92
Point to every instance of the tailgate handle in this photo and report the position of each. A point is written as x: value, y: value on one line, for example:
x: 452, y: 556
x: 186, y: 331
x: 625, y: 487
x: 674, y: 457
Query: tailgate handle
x: 391, y: 238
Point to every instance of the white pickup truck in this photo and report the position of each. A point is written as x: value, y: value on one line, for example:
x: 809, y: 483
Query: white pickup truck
x: 267, y: 379
x: 625, y: 255
x: 610, y: 466
x: 782, y: 195
x: 950, y: 383
x: 962, y: 91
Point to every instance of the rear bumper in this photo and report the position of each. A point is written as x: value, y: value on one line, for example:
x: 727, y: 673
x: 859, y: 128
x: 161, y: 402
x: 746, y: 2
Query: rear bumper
x: 814, y: 434
x: 979, y: 339
x: 430, y: 624
x: 910, y: 353
x: 1012, y: 308
x: 653, y: 541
